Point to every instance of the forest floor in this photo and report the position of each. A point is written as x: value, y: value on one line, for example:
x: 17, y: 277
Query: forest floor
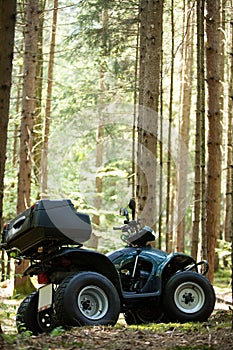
x: 215, y: 334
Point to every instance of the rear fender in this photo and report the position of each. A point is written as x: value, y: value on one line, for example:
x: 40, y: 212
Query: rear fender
x: 87, y: 260
x: 94, y: 261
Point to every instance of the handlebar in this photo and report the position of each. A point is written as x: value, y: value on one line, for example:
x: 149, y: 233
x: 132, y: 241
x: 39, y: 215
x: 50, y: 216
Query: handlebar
x: 129, y: 226
x: 118, y: 228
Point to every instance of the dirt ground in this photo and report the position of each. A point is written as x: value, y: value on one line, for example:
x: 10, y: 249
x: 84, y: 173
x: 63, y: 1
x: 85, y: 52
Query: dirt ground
x: 216, y: 334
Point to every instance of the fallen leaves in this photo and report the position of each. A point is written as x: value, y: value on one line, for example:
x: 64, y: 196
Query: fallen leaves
x: 217, y: 334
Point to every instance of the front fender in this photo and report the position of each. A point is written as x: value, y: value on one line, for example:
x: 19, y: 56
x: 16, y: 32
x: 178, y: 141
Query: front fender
x: 175, y: 262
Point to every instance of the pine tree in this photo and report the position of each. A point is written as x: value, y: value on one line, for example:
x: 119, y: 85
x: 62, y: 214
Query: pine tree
x: 26, y: 133
x: 7, y: 31
x: 214, y: 134
x: 149, y: 84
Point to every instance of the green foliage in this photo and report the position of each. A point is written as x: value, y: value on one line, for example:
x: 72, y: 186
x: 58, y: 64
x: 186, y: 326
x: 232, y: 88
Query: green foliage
x: 224, y: 253
x: 222, y: 277
x: 9, y: 338
x: 57, y: 331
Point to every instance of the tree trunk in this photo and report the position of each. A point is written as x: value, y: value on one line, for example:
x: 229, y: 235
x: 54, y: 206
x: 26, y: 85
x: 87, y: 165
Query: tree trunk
x: 3, y: 267
x: 28, y: 106
x: 228, y: 204
x: 7, y: 30
x: 214, y: 134
x: 44, y: 157
x: 199, y: 137
x: 150, y: 57
x: 7, y: 34
x: 38, y: 118
x: 135, y: 100
x: 161, y: 152
x: 232, y: 225
x: 143, y: 10
x: 203, y: 133
x: 21, y: 18
x: 28, y: 110
x: 17, y: 110
x: 186, y: 97
x: 100, y: 129
x: 168, y: 198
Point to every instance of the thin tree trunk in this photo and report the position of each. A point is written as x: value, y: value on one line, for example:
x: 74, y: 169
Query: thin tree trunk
x: 28, y: 106
x: 200, y: 138
x: 44, y: 157
x: 100, y: 130
x: 230, y: 150
x: 38, y: 119
x: 134, y: 132
x: 228, y: 203
x: 21, y: 18
x: 168, y: 198
x: 222, y: 57
x: 185, y: 127
x: 160, y: 223
x: 232, y: 228
x: 3, y: 269
x: 17, y: 109
x: 203, y: 133
x: 214, y: 134
x: 143, y: 11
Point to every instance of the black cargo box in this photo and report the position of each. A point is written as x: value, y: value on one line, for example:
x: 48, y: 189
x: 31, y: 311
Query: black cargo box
x: 47, y: 222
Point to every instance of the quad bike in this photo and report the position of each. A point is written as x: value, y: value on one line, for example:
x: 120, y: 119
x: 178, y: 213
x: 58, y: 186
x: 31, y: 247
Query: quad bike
x: 84, y: 287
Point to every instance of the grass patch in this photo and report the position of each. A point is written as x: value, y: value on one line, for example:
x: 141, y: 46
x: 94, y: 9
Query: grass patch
x: 199, y: 347
x: 222, y: 278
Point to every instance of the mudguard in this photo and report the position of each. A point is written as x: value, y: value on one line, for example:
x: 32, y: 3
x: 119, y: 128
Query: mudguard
x: 163, y: 265
x: 81, y: 260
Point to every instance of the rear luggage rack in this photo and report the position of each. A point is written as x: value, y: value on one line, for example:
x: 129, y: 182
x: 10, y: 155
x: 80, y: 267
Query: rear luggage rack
x: 48, y: 223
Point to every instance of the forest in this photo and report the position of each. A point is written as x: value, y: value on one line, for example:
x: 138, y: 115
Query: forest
x: 106, y: 100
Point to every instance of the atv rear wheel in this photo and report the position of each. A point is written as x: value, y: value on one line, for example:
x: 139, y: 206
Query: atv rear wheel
x: 87, y: 298
x: 188, y: 296
x: 28, y: 318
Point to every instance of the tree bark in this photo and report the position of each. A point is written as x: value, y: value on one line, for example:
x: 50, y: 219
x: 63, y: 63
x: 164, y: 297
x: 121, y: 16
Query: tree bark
x: 203, y: 133
x: 149, y: 84
x: 161, y: 152
x: 100, y: 128
x: 7, y: 31
x: 186, y: 98
x: 7, y: 34
x: 228, y: 204
x: 214, y: 134
x: 199, y: 137
x: 28, y: 106
x: 45, y: 143
x: 26, y: 141
x: 38, y: 117
x: 169, y: 238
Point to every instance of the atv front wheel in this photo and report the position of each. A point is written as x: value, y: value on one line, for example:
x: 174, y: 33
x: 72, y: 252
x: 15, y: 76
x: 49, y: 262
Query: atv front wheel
x: 188, y: 296
x: 87, y: 298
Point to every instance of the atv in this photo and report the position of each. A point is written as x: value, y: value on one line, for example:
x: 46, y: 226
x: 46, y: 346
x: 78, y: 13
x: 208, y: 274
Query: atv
x: 79, y: 286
